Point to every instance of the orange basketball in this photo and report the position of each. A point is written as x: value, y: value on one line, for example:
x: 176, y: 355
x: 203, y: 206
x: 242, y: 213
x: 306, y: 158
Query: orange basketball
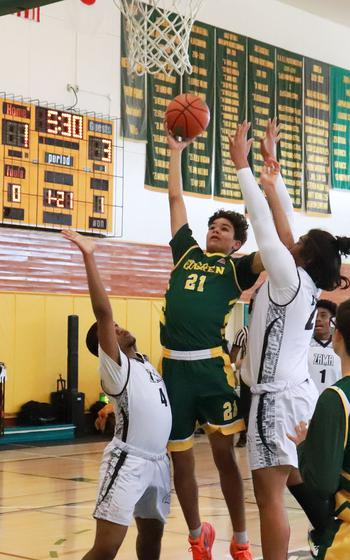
x: 187, y: 116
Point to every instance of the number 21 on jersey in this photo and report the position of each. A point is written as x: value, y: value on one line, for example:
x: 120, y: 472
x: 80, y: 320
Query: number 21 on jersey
x: 195, y: 282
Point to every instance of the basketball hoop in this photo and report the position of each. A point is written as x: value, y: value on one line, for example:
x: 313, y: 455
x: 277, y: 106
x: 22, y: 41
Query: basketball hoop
x: 159, y: 34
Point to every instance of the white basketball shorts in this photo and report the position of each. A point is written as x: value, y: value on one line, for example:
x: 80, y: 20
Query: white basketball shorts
x: 131, y: 485
x: 272, y: 416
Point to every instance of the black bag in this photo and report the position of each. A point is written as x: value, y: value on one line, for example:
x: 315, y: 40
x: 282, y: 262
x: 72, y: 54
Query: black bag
x: 34, y: 413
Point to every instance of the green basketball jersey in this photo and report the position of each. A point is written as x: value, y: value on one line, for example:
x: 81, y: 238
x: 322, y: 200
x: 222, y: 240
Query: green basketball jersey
x: 202, y: 290
x: 324, y: 457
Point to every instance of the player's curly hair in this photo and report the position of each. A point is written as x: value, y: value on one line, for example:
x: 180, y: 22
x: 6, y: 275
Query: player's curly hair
x: 327, y: 304
x: 342, y: 320
x: 237, y: 220
x: 321, y: 253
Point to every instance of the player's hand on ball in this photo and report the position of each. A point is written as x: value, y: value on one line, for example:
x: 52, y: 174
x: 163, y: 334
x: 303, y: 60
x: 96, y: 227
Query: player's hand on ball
x: 85, y: 244
x: 175, y: 143
x: 300, y: 433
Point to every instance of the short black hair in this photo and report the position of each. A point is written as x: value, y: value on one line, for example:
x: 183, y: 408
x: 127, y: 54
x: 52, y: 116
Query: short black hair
x: 328, y: 305
x: 92, y: 340
x: 343, y: 322
x: 237, y: 220
x: 321, y: 253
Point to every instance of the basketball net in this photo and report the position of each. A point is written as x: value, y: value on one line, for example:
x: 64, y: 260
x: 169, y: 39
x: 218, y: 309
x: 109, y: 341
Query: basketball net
x: 158, y: 34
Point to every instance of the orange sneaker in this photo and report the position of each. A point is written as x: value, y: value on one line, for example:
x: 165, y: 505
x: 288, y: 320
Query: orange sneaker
x: 201, y: 547
x: 240, y: 551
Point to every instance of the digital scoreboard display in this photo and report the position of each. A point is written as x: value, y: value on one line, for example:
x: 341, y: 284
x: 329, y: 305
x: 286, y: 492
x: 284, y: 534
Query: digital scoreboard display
x: 56, y: 168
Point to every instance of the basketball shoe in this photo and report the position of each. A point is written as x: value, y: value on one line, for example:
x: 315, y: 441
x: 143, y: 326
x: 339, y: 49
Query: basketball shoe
x: 201, y: 547
x: 240, y: 551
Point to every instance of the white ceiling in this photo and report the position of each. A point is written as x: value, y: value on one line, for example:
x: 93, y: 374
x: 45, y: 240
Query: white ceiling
x: 334, y: 10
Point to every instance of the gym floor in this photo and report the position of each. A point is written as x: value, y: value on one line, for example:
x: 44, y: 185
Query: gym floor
x: 48, y: 495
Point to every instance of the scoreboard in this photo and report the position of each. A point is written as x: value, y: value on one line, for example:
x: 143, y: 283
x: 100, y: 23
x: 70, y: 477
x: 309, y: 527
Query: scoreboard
x: 56, y: 168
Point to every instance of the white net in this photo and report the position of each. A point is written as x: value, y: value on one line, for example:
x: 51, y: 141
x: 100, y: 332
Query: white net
x: 158, y: 34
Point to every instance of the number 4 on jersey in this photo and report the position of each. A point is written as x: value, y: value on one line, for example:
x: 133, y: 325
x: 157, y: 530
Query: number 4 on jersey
x: 163, y: 398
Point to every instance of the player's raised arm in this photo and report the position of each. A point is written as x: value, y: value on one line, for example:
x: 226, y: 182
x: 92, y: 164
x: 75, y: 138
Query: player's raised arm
x: 276, y: 258
x: 178, y: 214
x: 99, y: 299
x: 268, y: 149
x: 269, y: 182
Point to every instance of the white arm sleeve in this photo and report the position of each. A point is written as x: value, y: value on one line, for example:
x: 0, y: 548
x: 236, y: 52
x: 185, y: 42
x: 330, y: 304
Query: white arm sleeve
x: 277, y: 260
x: 286, y: 202
x: 113, y: 376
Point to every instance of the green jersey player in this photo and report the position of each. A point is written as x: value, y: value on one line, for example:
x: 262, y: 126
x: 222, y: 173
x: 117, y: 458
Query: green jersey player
x: 203, y: 288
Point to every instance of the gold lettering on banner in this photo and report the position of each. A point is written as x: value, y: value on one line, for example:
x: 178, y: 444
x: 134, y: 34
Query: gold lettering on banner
x: 310, y: 93
x: 344, y: 116
x: 340, y: 153
x: 198, y: 43
x: 133, y: 111
x: 339, y: 127
x: 317, y: 79
x: 166, y: 90
x: 342, y: 103
x: 342, y: 177
x: 317, y: 105
x: 261, y: 62
x: 200, y: 30
x: 160, y: 176
x: 339, y: 139
x: 133, y: 92
x: 289, y: 60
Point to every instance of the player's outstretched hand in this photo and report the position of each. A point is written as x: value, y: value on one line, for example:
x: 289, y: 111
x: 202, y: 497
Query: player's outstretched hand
x: 240, y: 145
x: 269, y: 142
x: 300, y: 433
x: 269, y: 173
x: 85, y: 244
x: 175, y: 144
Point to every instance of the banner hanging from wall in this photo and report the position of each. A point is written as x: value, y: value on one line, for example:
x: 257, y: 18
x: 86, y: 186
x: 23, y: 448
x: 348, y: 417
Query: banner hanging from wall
x: 340, y: 127
x: 133, y: 92
x: 230, y: 109
x: 197, y: 158
x: 316, y: 137
x: 161, y: 89
x: 289, y: 72
x: 261, y: 94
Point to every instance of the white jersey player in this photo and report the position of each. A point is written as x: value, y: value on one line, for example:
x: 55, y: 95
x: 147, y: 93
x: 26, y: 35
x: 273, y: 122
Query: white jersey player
x: 280, y: 332
x: 135, y: 473
x: 324, y: 364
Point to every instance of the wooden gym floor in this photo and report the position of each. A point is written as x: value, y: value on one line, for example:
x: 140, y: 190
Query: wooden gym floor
x: 48, y: 494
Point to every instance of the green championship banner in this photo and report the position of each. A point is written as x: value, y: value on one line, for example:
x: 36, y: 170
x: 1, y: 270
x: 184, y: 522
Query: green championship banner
x: 197, y: 158
x: 261, y: 94
x: 289, y: 70
x: 161, y: 89
x: 230, y: 104
x: 340, y: 128
x: 133, y: 104
x: 316, y: 137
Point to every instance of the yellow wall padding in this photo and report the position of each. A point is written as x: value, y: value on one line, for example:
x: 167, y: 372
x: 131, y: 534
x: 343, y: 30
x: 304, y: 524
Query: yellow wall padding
x: 33, y: 341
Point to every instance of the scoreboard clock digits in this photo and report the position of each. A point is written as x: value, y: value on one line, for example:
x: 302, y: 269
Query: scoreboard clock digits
x: 15, y: 133
x: 59, y: 123
x: 13, y: 193
x: 100, y: 149
x: 58, y: 199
